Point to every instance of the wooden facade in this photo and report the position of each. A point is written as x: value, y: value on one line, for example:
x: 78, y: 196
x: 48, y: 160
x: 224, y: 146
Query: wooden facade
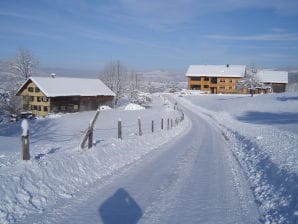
x: 213, y: 84
x: 34, y: 100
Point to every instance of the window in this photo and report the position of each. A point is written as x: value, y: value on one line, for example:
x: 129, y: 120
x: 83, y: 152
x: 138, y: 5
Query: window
x: 34, y: 107
x: 221, y: 87
x: 37, y: 89
x: 230, y: 87
x: 30, y: 89
x: 45, y: 108
x: 45, y: 99
x: 231, y: 81
x: 222, y: 80
x: 31, y: 98
x: 195, y: 78
x: 206, y: 86
x: 76, y: 107
x: 206, y: 78
x: 38, y: 99
x: 214, y: 80
x: 39, y: 108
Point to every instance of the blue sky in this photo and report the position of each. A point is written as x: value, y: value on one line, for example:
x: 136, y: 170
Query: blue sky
x: 153, y: 34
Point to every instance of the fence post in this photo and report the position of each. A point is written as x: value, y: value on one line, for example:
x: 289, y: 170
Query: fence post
x: 152, y: 126
x: 171, y: 123
x: 168, y: 124
x: 119, y: 129
x: 90, y: 137
x: 25, y: 140
x: 140, y: 126
x: 89, y: 133
x: 161, y: 123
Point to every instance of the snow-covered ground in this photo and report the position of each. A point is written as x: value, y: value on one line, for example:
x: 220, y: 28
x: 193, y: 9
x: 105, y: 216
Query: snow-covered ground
x: 59, y: 169
x: 232, y: 160
x: 264, y: 131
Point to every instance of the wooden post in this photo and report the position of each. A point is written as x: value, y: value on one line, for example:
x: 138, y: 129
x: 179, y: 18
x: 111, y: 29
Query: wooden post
x: 25, y: 140
x: 90, y: 137
x: 161, y: 123
x: 140, y: 127
x: 152, y: 126
x: 168, y: 124
x: 119, y: 129
x: 89, y: 133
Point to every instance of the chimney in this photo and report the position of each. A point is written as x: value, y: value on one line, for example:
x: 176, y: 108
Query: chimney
x: 53, y: 75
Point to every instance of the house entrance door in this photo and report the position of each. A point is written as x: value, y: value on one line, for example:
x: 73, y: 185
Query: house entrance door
x: 213, y: 90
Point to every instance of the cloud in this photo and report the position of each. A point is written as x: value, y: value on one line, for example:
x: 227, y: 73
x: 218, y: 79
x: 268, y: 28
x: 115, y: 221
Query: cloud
x: 257, y: 37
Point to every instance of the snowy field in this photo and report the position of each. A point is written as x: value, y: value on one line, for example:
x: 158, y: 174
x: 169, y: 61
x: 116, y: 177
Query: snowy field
x: 264, y: 132
x: 58, y: 169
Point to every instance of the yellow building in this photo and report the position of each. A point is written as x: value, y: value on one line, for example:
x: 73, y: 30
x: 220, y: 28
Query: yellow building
x: 43, y: 95
x: 215, y: 78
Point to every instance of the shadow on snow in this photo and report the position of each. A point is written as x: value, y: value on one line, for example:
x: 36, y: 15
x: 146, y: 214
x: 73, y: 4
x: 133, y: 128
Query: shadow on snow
x: 120, y: 208
x: 257, y: 117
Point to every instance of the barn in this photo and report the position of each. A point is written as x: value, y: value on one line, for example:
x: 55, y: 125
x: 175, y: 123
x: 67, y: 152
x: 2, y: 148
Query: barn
x: 44, y: 95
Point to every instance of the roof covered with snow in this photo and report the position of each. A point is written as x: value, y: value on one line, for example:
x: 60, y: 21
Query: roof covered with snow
x: 64, y: 86
x: 271, y: 76
x: 216, y: 70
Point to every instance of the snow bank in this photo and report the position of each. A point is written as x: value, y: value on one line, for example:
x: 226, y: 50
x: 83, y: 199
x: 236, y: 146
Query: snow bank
x: 263, y: 132
x: 133, y: 106
x: 59, y: 169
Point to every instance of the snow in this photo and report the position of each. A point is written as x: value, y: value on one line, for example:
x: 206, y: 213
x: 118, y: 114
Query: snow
x: 264, y: 133
x: 133, y: 106
x: 216, y: 70
x: 105, y: 107
x: 59, y: 169
x: 64, y: 86
x: 232, y: 160
x: 25, y: 127
x: 270, y: 76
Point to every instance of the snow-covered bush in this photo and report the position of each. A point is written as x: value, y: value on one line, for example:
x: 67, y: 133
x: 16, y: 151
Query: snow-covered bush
x: 141, y: 98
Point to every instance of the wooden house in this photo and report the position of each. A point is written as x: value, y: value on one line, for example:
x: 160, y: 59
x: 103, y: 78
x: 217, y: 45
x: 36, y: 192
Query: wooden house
x: 43, y: 95
x: 275, y: 81
x: 215, y: 78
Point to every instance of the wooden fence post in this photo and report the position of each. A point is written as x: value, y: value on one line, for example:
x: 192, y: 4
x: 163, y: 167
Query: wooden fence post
x: 161, y: 124
x: 25, y: 140
x: 89, y: 133
x: 119, y: 129
x: 90, y: 137
x: 140, y: 126
x: 168, y: 124
x: 152, y: 126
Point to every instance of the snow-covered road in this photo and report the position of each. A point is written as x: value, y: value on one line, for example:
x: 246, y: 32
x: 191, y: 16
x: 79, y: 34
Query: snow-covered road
x: 192, y: 179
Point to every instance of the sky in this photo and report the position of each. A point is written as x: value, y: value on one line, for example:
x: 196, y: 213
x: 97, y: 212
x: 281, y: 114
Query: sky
x: 152, y: 34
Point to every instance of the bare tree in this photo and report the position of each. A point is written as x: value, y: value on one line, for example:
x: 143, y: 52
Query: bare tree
x: 113, y: 75
x: 24, y: 63
x: 250, y: 80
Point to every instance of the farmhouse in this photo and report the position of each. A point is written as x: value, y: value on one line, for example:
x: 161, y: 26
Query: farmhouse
x: 43, y: 95
x: 215, y: 78
x: 274, y: 80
